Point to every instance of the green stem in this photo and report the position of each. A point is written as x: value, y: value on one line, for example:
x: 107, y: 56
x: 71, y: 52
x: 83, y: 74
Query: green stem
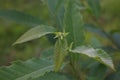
x: 75, y: 68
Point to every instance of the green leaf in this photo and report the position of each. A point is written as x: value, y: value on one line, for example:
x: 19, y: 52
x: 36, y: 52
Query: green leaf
x: 20, y: 17
x: 35, y: 33
x: 56, y: 8
x: 96, y: 54
x: 95, y: 7
x: 32, y: 68
x: 55, y: 76
x: 60, y: 52
x: 73, y: 23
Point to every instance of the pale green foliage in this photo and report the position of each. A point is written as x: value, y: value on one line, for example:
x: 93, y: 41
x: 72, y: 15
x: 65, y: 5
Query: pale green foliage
x: 96, y: 54
x: 71, y: 36
x: 35, y: 33
x: 60, y: 53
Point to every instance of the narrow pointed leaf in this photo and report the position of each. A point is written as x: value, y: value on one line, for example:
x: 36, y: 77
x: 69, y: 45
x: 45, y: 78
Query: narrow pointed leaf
x: 35, y: 33
x: 32, y: 68
x: 20, y: 17
x: 73, y: 23
x: 96, y: 54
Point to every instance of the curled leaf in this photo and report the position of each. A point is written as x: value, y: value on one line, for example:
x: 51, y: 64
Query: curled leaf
x: 96, y: 54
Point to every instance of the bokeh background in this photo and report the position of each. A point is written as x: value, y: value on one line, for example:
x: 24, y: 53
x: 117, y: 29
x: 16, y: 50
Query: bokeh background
x: 10, y: 31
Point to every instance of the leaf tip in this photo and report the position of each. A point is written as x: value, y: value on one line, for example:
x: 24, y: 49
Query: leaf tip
x: 14, y: 44
x: 113, y: 68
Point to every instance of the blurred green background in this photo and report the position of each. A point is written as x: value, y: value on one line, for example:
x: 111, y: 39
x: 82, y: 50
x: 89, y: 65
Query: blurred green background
x: 10, y: 31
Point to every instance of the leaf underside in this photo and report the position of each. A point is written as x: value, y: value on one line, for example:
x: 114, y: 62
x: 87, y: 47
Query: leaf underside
x: 35, y: 33
x: 96, y: 54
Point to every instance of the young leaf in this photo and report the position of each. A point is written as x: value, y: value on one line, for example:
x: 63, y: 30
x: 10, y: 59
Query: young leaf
x: 96, y: 54
x: 35, y: 33
x: 32, y: 68
x: 73, y: 23
x: 60, y: 53
x: 20, y: 17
